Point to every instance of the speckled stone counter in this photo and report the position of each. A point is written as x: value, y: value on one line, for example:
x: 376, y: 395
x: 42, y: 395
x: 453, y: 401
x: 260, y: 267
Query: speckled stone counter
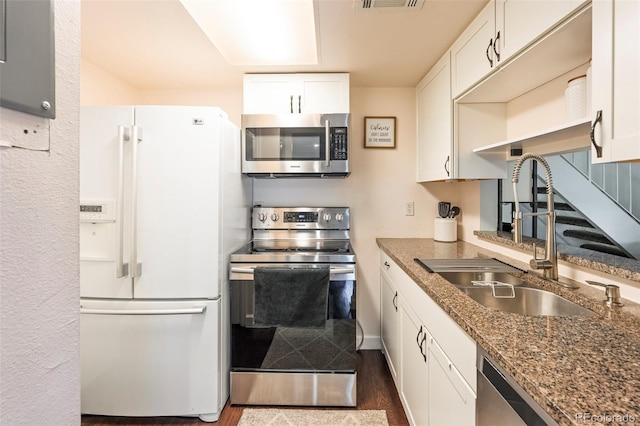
x: 571, y: 366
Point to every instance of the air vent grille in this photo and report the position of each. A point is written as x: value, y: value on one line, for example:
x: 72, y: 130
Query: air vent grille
x: 389, y: 4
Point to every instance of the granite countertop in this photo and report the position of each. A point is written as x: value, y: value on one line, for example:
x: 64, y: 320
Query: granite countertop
x: 572, y: 367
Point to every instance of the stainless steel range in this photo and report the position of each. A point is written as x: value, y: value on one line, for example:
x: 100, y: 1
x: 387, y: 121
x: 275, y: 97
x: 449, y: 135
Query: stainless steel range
x: 293, y: 310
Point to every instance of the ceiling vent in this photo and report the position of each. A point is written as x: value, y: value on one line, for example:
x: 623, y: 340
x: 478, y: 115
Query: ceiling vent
x: 390, y: 5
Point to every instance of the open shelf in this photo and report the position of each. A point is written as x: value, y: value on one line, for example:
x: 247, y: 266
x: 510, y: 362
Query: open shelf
x: 573, y: 129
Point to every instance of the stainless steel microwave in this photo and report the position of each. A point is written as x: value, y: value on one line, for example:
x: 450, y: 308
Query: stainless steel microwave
x: 295, y: 145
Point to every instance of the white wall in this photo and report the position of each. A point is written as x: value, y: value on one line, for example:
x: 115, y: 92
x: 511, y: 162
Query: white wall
x: 39, y: 282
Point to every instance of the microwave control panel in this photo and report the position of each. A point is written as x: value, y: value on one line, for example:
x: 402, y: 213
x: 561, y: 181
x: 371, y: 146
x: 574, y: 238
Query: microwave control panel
x: 338, y: 143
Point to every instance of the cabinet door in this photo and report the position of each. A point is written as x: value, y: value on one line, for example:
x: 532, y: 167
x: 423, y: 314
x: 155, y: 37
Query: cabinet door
x: 414, y: 370
x: 267, y: 94
x: 389, y: 324
x: 472, y: 55
x: 616, y: 86
x: 520, y: 22
x: 296, y: 93
x: 435, y: 107
x: 323, y: 93
x: 451, y: 400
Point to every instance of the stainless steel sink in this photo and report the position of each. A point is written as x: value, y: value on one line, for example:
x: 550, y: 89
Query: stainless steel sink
x: 506, y: 292
x: 525, y: 301
x: 465, y: 278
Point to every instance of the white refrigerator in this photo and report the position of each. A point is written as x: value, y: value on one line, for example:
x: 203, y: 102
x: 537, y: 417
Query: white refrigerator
x: 163, y: 205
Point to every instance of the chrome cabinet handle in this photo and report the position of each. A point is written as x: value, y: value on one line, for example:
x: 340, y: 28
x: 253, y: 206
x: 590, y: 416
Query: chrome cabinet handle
x: 291, y: 103
x: 446, y: 164
x: 387, y: 265
x: 494, y: 47
x: 418, y: 341
x: 487, y: 53
x: 395, y: 301
x: 592, y: 134
x: 299, y: 104
x: 122, y: 269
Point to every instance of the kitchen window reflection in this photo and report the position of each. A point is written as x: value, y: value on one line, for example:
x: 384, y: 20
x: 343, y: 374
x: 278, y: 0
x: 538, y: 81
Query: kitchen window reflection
x: 597, y: 206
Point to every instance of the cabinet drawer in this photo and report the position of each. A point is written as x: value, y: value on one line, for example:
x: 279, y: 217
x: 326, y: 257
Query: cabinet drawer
x: 455, y: 377
x: 395, y: 273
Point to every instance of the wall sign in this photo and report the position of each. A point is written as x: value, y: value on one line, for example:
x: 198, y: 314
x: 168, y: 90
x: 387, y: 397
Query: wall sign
x: 379, y: 132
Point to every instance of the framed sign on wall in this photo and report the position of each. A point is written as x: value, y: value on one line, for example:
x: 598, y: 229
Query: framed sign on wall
x: 380, y: 132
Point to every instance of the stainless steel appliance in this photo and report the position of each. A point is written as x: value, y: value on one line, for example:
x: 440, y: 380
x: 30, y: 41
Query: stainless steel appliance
x: 501, y: 401
x: 295, y: 365
x: 295, y: 145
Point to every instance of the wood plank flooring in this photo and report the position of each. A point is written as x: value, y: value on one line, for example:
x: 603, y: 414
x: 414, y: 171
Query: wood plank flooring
x: 376, y: 391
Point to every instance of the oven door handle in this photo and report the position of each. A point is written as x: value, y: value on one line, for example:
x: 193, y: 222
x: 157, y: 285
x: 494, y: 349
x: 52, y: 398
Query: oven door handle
x: 332, y: 270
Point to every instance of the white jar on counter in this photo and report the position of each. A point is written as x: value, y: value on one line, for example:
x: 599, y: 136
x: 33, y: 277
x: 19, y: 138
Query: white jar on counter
x: 575, y: 98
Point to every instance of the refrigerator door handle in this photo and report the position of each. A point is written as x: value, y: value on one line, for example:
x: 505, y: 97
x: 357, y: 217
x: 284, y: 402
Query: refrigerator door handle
x: 122, y: 269
x: 136, y: 268
x: 184, y: 311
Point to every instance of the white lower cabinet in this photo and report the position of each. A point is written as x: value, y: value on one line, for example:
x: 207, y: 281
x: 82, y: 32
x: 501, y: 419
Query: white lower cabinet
x: 389, y: 323
x: 434, y: 362
x: 414, y: 370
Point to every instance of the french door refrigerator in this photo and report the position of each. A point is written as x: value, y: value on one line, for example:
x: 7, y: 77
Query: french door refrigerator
x: 163, y: 204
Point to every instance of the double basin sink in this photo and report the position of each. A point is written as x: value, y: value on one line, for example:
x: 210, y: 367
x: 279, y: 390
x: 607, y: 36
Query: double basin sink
x: 493, y: 284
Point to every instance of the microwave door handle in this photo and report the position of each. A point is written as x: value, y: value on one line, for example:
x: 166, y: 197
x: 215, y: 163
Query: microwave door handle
x: 327, y: 143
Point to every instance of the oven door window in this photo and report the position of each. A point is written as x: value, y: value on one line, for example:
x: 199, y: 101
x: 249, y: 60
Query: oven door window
x: 285, y: 144
x: 332, y: 348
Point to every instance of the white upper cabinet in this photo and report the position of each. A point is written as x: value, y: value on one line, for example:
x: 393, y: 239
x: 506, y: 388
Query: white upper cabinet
x: 502, y: 29
x: 519, y: 22
x: 296, y: 93
x: 616, y: 80
x: 442, y: 152
x: 434, y: 111
x: 472, y: 55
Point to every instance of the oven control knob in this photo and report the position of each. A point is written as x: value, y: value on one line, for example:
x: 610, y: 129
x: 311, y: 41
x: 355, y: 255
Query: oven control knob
x: 339, y: 217
x: 262, y: 217
x: 275, y: 217
x: 327, y: 217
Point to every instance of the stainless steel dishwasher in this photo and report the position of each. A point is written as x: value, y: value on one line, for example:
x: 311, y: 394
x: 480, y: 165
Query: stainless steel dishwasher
x: 501, y: 401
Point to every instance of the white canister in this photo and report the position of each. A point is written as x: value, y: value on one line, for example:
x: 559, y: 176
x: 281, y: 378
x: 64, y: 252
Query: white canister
x: 575, y: 98
x: 445, y: 230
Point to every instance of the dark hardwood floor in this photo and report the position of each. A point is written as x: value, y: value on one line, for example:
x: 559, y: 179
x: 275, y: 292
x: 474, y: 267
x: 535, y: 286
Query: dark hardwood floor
x: 376, y: 391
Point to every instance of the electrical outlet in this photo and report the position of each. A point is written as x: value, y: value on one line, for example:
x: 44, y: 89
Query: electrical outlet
x: 408, y: 208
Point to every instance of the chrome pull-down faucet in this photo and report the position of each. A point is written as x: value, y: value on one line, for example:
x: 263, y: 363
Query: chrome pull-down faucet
x: 549, y: 264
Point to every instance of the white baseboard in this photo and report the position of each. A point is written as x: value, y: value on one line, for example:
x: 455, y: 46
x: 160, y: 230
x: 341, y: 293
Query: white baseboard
x: 371, y: 343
